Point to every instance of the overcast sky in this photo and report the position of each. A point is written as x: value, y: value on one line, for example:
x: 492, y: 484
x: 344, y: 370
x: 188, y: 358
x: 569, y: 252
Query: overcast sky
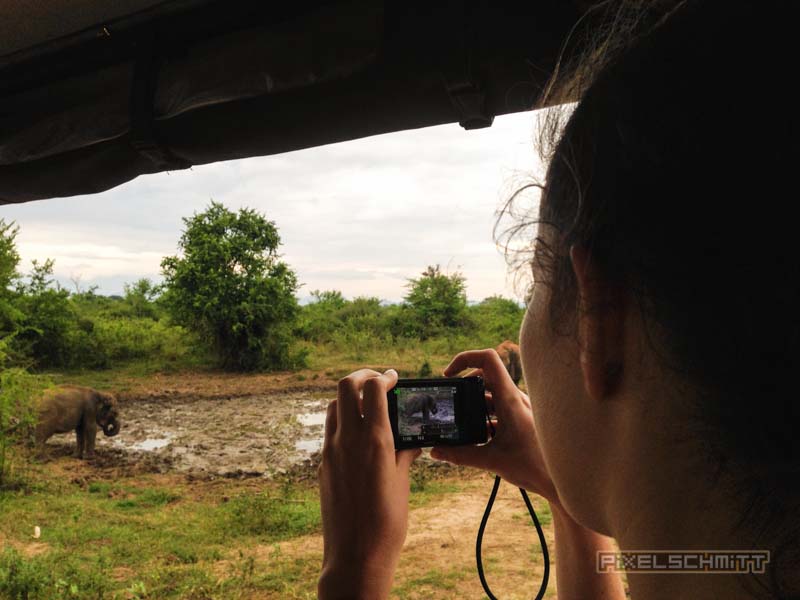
x: 360, y: 217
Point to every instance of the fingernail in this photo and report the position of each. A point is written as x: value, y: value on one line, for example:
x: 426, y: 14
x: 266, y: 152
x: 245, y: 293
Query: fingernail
x: 389, y: 372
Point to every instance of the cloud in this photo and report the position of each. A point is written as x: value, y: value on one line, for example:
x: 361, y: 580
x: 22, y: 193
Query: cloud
x: 360, y: 216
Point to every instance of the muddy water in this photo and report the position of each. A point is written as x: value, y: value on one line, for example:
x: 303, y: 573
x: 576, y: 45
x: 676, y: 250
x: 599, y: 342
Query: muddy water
x: 230, y: 437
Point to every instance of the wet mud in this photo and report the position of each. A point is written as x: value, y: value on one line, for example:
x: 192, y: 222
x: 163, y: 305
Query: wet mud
x: 261, y: 435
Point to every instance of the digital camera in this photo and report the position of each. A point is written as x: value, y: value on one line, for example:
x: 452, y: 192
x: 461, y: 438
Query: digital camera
x: 447, y: 411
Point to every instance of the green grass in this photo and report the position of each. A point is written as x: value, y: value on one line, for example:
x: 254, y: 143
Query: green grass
x: 426, y: 486
x: 273, y: 516
x: 324, y: 360
x: 138, y: 539
x: 164, y: 541
x: 542, y: 513
x: 434, y: 579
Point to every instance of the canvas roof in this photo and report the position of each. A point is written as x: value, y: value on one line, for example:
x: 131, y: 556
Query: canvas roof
x: 95, y: 93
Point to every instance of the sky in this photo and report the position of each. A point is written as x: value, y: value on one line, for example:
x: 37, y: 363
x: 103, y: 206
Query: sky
x: 360, y: 217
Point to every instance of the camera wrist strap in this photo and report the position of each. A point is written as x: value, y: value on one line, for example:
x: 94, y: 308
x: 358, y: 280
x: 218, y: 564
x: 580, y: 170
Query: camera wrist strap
x: 485, y: 519
x: 542, y: 541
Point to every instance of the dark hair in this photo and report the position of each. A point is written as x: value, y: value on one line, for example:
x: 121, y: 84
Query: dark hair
x: 677, y: 171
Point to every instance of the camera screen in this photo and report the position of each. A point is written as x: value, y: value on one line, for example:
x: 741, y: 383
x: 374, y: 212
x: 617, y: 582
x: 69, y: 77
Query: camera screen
x: 427, y: 413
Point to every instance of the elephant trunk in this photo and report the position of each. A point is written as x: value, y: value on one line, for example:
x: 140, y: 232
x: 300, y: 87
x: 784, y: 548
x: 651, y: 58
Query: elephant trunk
x: 111, y: 428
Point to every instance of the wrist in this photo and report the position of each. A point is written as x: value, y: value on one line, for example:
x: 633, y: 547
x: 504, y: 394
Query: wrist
x: 567, y: 528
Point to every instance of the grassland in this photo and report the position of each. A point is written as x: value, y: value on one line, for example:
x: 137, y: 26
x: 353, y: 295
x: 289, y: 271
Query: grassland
x: 163, y: 536
x: 144, y: 535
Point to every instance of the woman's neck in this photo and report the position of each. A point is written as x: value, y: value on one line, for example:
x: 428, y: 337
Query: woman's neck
x: 676, y: 519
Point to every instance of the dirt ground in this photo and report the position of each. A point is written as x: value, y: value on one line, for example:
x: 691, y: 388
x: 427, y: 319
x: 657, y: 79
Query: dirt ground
x: 223, y: 428
x: 210, y: 426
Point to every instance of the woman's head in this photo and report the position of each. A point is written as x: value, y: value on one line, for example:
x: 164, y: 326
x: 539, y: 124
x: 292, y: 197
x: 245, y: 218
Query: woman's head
x: 674, y: 177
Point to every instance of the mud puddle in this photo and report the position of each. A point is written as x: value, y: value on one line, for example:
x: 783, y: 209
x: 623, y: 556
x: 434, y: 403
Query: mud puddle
x: 249, y: 436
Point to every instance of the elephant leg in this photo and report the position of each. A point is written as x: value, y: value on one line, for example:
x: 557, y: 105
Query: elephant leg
x: 426, y: 414
x: 89, y: 435
x: 39, y: 442
x: 79, y: 435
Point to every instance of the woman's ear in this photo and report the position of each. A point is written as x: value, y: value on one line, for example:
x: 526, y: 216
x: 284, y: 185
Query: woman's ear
x: 601, y: 317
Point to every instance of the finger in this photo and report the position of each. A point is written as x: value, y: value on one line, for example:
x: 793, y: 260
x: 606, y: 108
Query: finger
x: 494, y: 371
x: 330, y: 420
x: 348, y: 396
x: 404, y: 458
x: 471, y: 456
x: 487, y: 396
x: 330, y: 430
x: 470, y: 373
x: 375, y: 403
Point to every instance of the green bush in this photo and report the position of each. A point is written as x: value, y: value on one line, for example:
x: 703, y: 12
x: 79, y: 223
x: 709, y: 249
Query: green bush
x: 437, y: 302
x: 318, y: 320
x: 497, y: 319
x: 19, y: 392
x: 133, y: 338
x: 49, y: 320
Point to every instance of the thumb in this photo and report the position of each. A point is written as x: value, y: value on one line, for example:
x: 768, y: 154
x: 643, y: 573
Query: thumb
x: 471, y: 456
x: 404, y: 458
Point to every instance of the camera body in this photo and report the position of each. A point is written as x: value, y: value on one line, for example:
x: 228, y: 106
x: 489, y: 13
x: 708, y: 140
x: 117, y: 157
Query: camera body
x: 447, y: 411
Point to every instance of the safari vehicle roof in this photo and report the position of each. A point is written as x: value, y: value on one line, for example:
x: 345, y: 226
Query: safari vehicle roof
x: 94, y: 93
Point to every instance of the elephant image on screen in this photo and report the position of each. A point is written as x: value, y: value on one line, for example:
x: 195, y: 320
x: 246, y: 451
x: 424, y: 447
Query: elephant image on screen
x: 427, y: 413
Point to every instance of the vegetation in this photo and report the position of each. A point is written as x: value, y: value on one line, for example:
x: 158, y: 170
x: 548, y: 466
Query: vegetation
x: 230, y: 288
x: 18, y: 391
x: 436, y: 302
x: 45, y: 326
x: 228, y: 301
x: 155, y: 538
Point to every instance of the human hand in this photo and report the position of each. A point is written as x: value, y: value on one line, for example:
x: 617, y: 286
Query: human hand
x: 513, y: 452
x: 364, y: 488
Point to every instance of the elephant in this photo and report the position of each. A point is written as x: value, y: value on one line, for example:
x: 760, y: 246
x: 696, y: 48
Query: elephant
x: 509, y: 354
x: 80, y: 409
x: 424, y: 403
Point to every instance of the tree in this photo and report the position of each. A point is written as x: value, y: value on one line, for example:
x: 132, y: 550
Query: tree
x: 9, y: 261
x: 49, y: 320
x: 331, y: 299
x: 140, y: 297
x: 437, y: 301
x: 231, y: 288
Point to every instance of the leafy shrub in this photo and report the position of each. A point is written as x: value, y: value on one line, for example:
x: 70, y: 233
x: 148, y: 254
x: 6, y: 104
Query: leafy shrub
x: 126, y: 339
x: 140, y: 298
x: 49, y: 319
x: 19, y: 392
x: 497, y: 319
x: 437, y: 302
